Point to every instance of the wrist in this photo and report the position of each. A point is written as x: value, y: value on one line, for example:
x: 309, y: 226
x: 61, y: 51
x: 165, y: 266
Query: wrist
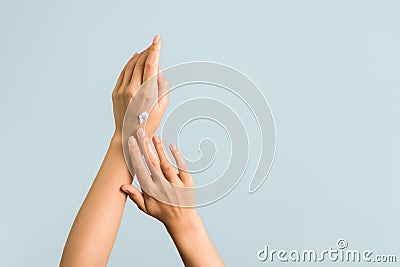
x: 184, y: 225
x: 116, y: 139
x: 117, y: 134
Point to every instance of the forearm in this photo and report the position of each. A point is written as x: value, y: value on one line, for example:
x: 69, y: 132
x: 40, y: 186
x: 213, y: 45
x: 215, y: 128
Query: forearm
x: 95, y: 228
x: 193, y: 243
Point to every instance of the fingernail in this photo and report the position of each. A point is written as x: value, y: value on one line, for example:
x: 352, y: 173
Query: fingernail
x: 156, y: 139
x: 132, y: 141
x: 141, y: 133
x: 156, y: 39
x: 173, y: 146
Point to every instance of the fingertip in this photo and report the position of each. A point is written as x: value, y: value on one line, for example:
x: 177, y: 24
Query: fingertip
x: 135, y: 55
x: 124, y: 188
x: 156, y: 139
x: 156, y: 39
x: 173, y: 147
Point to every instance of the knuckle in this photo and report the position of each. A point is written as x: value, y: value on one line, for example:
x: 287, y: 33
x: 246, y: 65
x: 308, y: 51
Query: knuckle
x: 182, y: 165
x: 130, y: 64
x: 120, y: 90
x: 154, y: 162
x: 150, y: 64
x: 139, y: 64
x: 166, y: 166
x: 141, y: 61
x: 128, y: 94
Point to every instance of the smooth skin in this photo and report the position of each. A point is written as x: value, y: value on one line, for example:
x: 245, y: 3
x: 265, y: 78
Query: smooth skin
x: 96, y: 225
x: 182, y: 223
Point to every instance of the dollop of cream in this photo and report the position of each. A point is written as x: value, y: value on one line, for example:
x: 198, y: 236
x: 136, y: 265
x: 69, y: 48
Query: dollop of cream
x: 143, y: 117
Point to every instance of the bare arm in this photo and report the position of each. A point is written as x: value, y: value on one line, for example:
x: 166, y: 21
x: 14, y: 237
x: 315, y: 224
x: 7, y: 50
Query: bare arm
x: 193, y: 243
x: 95, y: 228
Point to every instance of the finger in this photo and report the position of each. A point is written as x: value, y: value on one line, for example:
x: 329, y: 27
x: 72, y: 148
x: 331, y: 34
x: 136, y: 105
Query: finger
x: 129, y: 70
x: 181, y: 164
x: 166, y: 166
x: 137, y: 76
x: 152, y: 156
x: 135, y: 195
x: 153, y: 59
x: 163, y: 89
x: 119, y: 81
x: 138, y: 164
x: 156, y: 174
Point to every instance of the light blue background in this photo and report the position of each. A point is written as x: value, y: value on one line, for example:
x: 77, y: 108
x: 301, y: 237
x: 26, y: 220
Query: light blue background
x: 329, y: 69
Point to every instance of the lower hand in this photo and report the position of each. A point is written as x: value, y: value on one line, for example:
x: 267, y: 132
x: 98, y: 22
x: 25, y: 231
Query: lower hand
x: 163, y: 181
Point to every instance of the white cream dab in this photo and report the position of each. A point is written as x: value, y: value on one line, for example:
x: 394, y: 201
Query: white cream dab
x: 143, y: 117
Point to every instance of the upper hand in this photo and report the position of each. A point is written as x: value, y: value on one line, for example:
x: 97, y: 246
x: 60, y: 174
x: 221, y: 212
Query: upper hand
x: 139, y: 69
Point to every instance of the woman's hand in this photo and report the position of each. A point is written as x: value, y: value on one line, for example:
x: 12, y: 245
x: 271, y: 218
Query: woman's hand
x: 164, y: 183
x: 176, y: 210
x: 139, y: 69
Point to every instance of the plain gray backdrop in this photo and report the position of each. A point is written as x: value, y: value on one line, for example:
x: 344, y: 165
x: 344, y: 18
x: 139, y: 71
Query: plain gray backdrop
x: 329, y: 70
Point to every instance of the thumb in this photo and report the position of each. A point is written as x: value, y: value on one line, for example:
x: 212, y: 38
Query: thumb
x: 135, y: 195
